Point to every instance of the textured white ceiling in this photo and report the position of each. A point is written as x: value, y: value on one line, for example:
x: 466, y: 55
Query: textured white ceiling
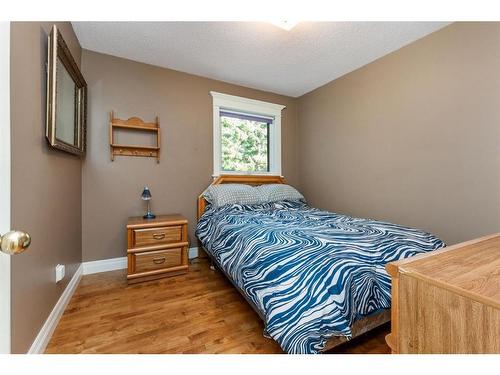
x: 254, y: 54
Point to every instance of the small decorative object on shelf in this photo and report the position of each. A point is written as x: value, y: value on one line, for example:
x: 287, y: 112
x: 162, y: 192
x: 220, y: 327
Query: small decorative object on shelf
x: 146, y: 196
x: 136, y: 124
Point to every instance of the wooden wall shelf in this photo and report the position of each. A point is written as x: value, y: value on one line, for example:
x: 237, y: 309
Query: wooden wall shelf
x: 134, y: 123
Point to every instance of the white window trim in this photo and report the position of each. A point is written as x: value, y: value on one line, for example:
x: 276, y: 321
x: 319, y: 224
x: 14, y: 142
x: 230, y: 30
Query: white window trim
x: 251, y: 106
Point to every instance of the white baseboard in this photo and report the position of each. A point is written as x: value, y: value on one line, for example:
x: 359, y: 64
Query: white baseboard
x: 43, y: 337
x: 193, y: 252
x: 104, y: 265
x: 113, y: 264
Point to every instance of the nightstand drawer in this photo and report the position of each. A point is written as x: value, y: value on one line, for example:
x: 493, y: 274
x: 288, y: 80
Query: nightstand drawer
x: 155, y: 260
x: 157, y: 236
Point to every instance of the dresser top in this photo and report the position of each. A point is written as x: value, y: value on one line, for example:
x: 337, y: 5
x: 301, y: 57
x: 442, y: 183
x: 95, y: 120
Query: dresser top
x: 159, y: 220
x: 472, y: 267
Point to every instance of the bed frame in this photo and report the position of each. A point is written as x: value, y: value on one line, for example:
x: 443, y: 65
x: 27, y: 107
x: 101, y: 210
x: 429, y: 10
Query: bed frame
x: 359, y: 327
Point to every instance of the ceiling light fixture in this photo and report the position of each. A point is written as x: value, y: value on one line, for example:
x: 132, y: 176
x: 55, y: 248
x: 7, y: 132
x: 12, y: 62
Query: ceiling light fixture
x: 285, y: 24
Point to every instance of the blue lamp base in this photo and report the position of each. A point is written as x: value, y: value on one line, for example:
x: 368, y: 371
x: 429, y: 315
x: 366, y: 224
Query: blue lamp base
x: 149, y: 214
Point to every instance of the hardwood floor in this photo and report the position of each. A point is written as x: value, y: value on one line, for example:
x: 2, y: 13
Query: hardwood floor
x: 199, y: 312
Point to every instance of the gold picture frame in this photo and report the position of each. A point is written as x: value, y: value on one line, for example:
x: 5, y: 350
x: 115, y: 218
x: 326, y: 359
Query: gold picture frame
x: 66, y: 122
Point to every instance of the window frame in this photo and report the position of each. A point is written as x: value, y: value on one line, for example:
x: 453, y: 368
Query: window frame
x: 243, y: 105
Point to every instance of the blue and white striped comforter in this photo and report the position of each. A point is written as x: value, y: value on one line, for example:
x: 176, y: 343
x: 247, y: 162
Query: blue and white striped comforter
x: 311, y: 273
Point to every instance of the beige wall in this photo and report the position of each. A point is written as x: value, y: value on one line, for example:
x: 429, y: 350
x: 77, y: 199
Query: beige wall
x: 111, y: 190
x: 412, y: 138
x: 46, y: 187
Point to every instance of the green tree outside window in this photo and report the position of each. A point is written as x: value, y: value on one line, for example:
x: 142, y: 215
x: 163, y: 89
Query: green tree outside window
x: 244, y: 145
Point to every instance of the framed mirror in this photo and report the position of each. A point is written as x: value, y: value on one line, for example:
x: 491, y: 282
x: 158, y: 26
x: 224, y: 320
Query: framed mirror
x: 66, y: 125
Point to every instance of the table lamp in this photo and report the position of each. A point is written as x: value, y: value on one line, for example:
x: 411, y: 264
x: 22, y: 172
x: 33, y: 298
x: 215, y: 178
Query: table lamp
x: 146, y: 196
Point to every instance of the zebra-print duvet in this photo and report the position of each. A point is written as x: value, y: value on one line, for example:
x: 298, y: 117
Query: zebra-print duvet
x: 311, y: 273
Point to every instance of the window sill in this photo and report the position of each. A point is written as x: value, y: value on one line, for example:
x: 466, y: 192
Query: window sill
x: 229, y: 173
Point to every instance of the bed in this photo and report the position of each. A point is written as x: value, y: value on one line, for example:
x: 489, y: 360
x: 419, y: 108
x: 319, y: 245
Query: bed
x: 316, y: 278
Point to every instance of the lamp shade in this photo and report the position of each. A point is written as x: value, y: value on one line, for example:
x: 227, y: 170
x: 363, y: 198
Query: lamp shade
x: 146, y: 194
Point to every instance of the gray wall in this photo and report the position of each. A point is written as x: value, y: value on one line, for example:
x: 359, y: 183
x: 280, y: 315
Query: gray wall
x: 46, y: 187
x: 412, y: 138
x: 111, y: 190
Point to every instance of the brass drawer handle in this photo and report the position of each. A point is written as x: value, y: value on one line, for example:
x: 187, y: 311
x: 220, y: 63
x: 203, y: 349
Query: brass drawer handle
x: 159, y: 260
x: 159, y: 236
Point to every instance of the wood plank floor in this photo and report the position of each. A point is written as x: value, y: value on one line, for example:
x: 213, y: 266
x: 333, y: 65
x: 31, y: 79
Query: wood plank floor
x: 199, y: 312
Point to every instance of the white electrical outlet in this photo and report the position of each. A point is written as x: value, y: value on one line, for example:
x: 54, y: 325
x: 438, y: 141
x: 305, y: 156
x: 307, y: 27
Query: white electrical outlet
x: 60, y: 271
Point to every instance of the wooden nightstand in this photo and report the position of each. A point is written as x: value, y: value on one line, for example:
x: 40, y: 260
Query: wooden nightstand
x: 156, y: 247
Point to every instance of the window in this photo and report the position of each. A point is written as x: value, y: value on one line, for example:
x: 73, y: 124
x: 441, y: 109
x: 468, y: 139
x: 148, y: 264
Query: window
x: 247, y: 136
x: 244, y: 142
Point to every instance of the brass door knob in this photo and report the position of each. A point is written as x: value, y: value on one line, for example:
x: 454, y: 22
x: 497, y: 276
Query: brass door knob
x: 14, y: 242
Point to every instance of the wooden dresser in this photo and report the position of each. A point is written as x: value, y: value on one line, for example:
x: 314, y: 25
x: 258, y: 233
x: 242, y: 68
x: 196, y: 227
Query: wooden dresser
x: 156, y: 247
x: 447, y: 301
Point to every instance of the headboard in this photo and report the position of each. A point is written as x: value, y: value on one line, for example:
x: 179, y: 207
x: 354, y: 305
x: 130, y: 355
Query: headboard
x: 239, y: 179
